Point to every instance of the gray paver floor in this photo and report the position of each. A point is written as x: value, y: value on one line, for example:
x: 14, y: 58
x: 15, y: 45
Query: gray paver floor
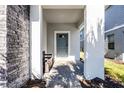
x: 65, y: 74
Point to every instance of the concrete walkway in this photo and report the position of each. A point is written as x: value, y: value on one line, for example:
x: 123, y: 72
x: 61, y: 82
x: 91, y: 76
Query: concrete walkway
x: 64, y: 74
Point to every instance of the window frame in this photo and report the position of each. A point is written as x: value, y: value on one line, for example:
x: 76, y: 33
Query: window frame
x: 111, y: 43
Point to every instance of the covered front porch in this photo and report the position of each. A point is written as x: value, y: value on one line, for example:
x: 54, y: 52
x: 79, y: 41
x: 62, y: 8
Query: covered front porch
x: 56, y: 30
x: 61, y: 30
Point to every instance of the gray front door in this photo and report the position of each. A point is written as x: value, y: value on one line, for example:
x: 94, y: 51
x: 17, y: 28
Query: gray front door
x: 62, y: 44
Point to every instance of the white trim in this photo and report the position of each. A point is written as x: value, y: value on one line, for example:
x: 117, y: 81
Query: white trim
x: 55, y: 32
x: 116, y: 27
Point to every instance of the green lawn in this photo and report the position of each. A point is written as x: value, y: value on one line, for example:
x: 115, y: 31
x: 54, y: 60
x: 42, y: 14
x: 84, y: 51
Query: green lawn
x: 114, y: 70
x: 82, y: 55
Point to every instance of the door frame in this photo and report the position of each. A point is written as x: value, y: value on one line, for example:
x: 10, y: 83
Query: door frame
x: 55, y: 48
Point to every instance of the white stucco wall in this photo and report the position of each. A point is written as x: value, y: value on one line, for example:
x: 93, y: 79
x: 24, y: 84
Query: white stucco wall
x: 36, y: 20
x: 94, y: 42
x: 44, y: 36
x: 74, y: 38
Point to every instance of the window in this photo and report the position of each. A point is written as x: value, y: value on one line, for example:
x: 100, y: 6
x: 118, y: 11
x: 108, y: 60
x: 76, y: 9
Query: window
x: 81, y: 35
x: 111, y: 41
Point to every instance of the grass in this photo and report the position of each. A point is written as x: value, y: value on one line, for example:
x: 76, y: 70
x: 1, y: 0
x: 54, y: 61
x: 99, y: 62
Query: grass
x: 114, y: 70
x: 82, y: 55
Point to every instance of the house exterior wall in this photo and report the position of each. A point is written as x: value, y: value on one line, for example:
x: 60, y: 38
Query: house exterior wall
x: 74, y: 38
x: 81, y: 45
x: 118, y: 42
x: 16, y: 56
x: 114, y: 17
x: 82, y: 40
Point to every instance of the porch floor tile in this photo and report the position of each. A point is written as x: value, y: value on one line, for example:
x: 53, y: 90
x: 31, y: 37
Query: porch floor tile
x: 65, y: 73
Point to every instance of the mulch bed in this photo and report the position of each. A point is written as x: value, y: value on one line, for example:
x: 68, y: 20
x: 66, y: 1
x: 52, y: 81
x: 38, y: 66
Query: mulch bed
x: 35, y: 84
x: 94, y: 83
x: 116, y: 61
x: 99, y: 83
x: 119, y: 62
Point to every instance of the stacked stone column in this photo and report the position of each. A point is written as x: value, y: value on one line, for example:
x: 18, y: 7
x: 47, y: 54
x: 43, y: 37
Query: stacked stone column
x: 16, y: 44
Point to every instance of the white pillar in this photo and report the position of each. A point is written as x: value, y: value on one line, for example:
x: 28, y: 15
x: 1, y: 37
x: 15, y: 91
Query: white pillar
x: 94, y: 42
x: 36, y: 31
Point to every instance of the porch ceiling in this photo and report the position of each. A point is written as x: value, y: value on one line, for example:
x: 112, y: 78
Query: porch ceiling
x: 63, y: 14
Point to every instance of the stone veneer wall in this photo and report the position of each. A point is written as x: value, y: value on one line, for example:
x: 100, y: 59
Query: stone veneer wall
x: 17, y: 45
